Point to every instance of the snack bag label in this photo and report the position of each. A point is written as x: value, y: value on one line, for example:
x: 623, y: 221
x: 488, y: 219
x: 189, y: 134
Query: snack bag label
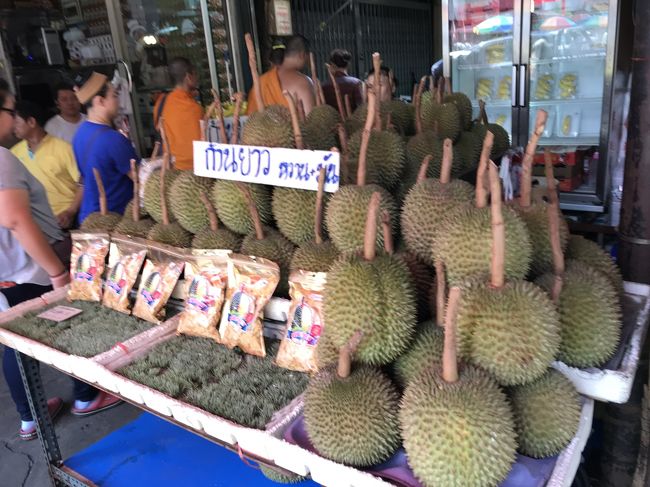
x: 306, y: 326
x: 116, y: 279
x: 151, y: 289
x: 85, y: 268
x: 204, y: 291
x: 242, y: 310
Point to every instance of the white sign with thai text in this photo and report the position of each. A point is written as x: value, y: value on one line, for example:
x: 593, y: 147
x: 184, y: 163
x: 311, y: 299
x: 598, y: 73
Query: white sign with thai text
x: 291, y: 168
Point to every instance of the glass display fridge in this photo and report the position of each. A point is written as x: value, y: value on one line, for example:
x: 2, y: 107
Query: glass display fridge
x: 522, y: 55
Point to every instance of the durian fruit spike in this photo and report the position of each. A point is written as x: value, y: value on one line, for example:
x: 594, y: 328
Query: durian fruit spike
x: 102, y: 220
x: 456, y: 422
x: 527, y: 163
x: 318, y: 88
x: 132, y: 224
x: 214, y: 237
x: 510, y: 329
x: 167, y: 232
x: 252, y: 63
x: 234, y: 136
x: 337, y: 91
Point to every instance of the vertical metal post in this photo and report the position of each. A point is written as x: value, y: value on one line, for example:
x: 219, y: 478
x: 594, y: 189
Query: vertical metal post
x: 209, y: 46
x: 360, y: 59
x: 29, y: 372
x: 634, y: 230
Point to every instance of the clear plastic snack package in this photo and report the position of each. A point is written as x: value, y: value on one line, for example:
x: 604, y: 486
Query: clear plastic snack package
x: 305, y: 322
x: 161, y: 272
x: 87, y: 265
x: 251, y: 282
x: 125, y: 260
x: 206, y: 278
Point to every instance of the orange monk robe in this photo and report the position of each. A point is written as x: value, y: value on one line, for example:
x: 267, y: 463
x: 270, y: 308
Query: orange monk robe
x: 271, y: 92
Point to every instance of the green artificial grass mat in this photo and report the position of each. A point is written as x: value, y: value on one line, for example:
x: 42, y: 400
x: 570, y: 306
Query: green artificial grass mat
x: 90, y: 333
x: 228, y: 383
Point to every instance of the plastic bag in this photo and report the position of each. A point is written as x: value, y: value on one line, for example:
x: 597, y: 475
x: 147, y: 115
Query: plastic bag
x: 305, y: 322
x: 159, y: 277
x: 87, y: 265
x: 206, y: 277
x: 251, y: 282
x: 125, y: 260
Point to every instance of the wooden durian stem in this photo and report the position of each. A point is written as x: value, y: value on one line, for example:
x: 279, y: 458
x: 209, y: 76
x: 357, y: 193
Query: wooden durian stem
x: 482, y: 116
x: 389, y: 245
x: 343, y: 138
x: 415, y: 93
x: 301, y: 110
x: 155, y: 150
x: 163, y: 201
x: 448, y: 90
x: 348, y: 106
x: 364, y: 92
x: 447, y: 157
x: 343, y: 142
x: 218, y: 108
x: 103, y: 207
x: 482, y: 171
x: 212, y: 214
x: 418, y: 105
x: 295, y: 123
x: 202, y: 130
x: 337, y: 91
x: 497, y: 271
x: 441, y: 86
x: 234, y: 136
x: 389, y: 121
x: 527, y: 163
x: 365, y: 139
x: 370, y: 233
x: 252, y: 63
x: 432, y: 83
x: 163, y: 138
x: 135, y: 176
x: 424, y: 167
x: 314, y: 78
x: 441, y: 291
x: 376, y: 64
x: 252, y: 208
x: 318, y: 216
x: 346, y: 352
x: 449, y: 360
x: 554, y: 215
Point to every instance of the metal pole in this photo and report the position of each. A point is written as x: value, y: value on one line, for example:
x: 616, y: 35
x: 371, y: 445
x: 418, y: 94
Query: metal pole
x: 207, y: 30
x: 634, y: 230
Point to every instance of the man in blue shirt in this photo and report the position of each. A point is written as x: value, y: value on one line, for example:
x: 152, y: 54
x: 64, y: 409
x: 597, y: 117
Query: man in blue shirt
x: 97, y: 145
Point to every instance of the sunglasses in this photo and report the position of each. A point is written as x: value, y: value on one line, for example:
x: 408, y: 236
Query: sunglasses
x: 10, y: 111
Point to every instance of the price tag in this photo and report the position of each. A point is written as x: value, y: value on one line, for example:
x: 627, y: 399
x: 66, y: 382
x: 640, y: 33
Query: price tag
x: 59, y: 313
x: 291, y: 168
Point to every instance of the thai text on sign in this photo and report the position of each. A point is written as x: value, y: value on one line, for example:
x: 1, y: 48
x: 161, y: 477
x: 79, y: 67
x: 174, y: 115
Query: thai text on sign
x: 291, y: 168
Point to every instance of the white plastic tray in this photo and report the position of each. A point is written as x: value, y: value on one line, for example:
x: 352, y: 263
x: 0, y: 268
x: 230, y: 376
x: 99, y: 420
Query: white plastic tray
x: 613, y: 383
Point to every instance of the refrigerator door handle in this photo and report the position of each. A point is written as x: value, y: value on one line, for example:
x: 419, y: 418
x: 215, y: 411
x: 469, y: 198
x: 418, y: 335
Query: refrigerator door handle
x: 522, y: 85
x: 513, y: 86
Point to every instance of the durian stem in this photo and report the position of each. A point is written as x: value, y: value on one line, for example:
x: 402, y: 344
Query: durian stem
x: 389, y: 121
x: 314, y: 78
x: 297, y: 134
x: 370, y: 234
x: 447, y: 156
x: 482, y: 171
x: 202, y: 130
x: 365, y: 139
x: 389, y: 245
x: 135, y: 213
x: 163, y: 138
x: 482, y: 113
x: 234, y: 136
x: 348, y: 106
x: 337, y: 91
x: 301, y: 110
x: 441, y: 86
x: 103, y: 207
x: 343, y: 142
x: 212, y: 214
x: 554, y: 215
x: 252, y: 208
x: 441, y: 291
x: 346, y: 352
x: 376, y: 64
x: 498, y: 231
x: 448, y: 90
x: 163, y: 201
x: 364, y: 92
x: 432, y: 83
x: 418, y: 105
x: 252, y: 63
x: 449, y: 361
x: 318, y: 216
x: 424, y: 167
x: 218, y: 107
x: 415, y: 93
x: 527, y: 163
x: 155, y: 150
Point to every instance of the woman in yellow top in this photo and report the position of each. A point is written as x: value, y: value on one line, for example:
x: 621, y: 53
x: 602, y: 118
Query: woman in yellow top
x: 50, y: 160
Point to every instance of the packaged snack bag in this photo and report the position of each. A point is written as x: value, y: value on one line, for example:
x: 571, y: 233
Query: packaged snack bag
x: 87, y: 265
x: 125, y: 260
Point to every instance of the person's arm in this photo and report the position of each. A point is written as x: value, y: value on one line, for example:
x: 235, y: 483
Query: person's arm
x: 67, y: 216
x: 123, y: 152
x: 16, y: 216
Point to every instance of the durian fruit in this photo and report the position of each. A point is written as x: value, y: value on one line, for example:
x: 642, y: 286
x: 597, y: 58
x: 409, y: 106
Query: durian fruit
x: 373, y: 294
x: 128, y: 211
x: 589, y: 253
x: 456, y: 423
x: 347, y: 209
x: 357, y: 121
x: 468, y: 146
x: 103, y: 219
x: 427, y: 204
x: 423, y: 354
x: 547, y: 414
x: 443, y: 117
x: 421, y: 145
x: 213, y: 237
x: 268, y: 243
x: 133, y: 224
x: 386, y: 157
x: 501, y: 137
x: 152, y: 190
x: 510, y: 329
x: 535, y: 214
x: 464, y: 235
x: 402, y: 116
x: 232, y: 207
x: 464, y: 106
x: 269, y: 128
x: 281, y: 477
x: 188, y: 210
x: 352, y: 417
x: 423, y: 278
x: 166, y: 232
x: 320, y: 128
x: 316, y: 255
